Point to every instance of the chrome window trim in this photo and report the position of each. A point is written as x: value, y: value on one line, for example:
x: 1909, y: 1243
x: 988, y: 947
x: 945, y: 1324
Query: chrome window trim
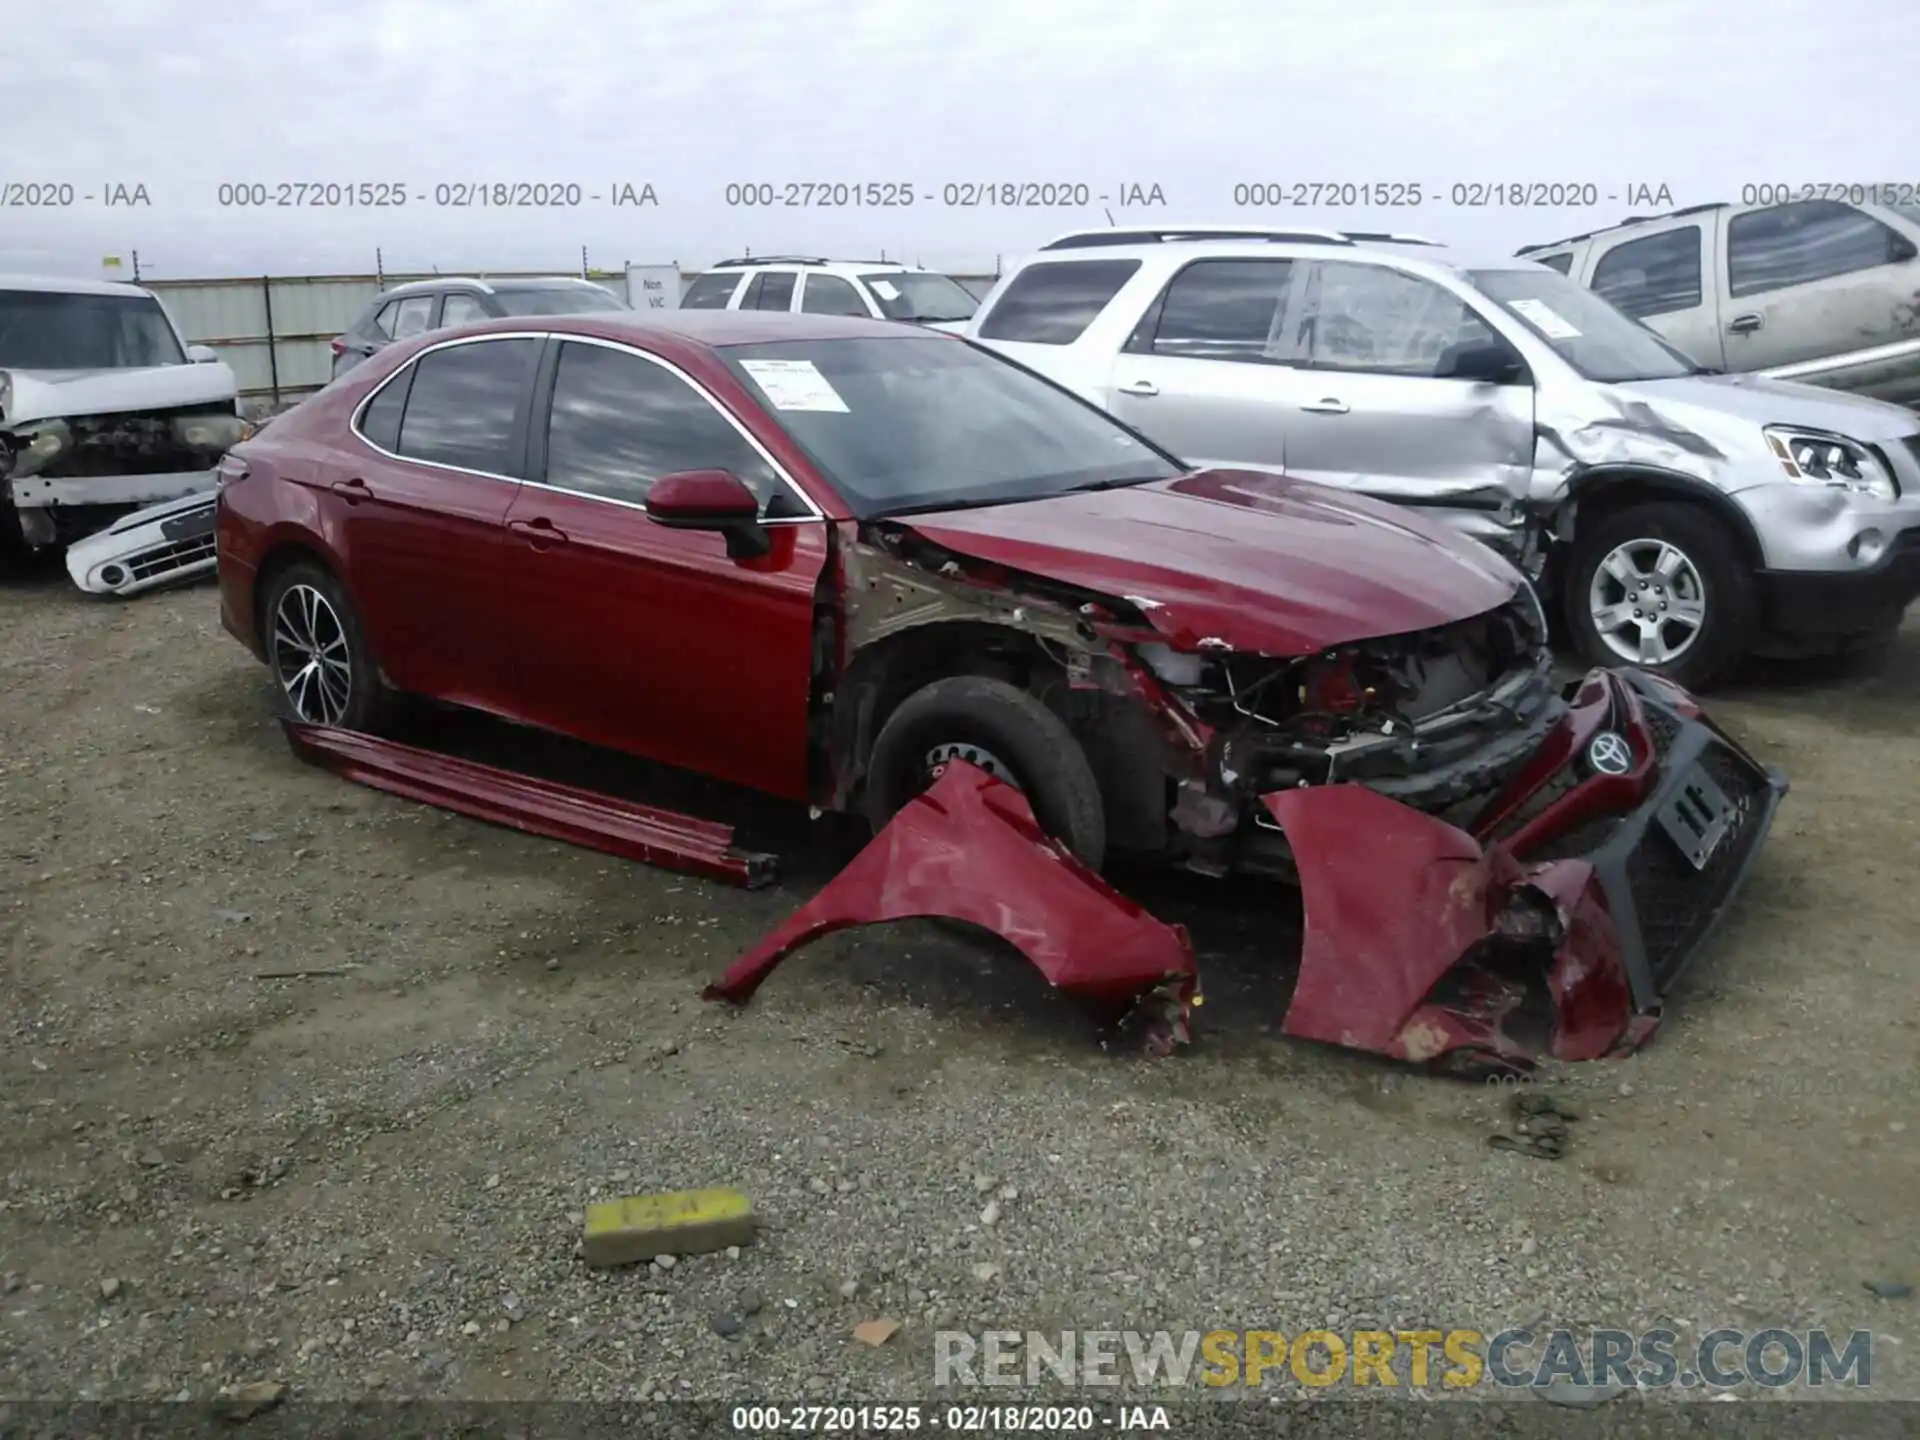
x: 815, y: 513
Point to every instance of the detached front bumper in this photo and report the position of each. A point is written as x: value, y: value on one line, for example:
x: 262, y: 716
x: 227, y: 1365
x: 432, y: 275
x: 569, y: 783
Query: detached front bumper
x: 1558, y: 925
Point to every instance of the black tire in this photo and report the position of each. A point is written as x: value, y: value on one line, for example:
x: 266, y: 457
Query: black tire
x: 368, y: 703
x: 1726, y: 631
x: 1012, y: 725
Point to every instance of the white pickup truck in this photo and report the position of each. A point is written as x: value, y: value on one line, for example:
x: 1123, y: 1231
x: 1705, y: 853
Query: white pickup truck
x: 105, y: 412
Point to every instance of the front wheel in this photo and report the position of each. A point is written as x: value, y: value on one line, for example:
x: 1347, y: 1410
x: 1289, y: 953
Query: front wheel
x: 323, y: 669
x: 1003, y: 730
x: 1663, y: 587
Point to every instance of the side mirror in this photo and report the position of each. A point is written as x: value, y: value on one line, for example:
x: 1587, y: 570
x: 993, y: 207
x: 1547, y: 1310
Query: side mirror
x: 1486, y: 362
x: 711, y: 500
x: 202, y: 354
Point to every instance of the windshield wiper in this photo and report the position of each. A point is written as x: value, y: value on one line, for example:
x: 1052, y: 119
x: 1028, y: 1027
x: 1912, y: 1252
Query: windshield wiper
x: 933, y: 507
x: 1118, y: 482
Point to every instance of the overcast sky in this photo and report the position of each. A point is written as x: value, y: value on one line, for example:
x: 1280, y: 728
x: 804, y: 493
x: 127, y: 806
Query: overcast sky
x: 1195, y: 96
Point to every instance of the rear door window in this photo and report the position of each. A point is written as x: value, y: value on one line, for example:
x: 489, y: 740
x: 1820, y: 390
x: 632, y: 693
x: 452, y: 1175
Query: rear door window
x: 1053, y: 302
x: 1220, y: 310
x: 1655, y: 275
x: 776, y: 290
x: 830, y: 295
x: 465, y: 404
x: 1798, y: 244
x: 462, y: 310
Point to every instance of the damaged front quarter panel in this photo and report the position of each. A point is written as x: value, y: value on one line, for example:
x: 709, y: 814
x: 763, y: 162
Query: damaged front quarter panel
x: 968, y: 848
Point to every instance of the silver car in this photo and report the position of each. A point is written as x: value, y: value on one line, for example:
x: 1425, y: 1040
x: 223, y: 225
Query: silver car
x: 1683, y: 518
x: 1816, y: 289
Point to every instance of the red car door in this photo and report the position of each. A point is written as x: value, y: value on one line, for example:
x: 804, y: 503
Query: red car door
x: 646, y: 639
x: 420, y: 513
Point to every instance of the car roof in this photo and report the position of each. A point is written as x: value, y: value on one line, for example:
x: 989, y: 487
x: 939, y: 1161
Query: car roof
x: 472, y: 282
x: 70, y: 285
x: 1419, y: 258
x: 706, y: 329
x: 748, y: 263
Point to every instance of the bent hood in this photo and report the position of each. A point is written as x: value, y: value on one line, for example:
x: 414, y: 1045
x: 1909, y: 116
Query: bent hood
x: 1263, y: 563
x: 63, y: 394
x: 1763, y: 401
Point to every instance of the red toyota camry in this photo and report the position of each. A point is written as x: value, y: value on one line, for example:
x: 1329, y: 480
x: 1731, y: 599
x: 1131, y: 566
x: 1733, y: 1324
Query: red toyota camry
x: 821, y: 556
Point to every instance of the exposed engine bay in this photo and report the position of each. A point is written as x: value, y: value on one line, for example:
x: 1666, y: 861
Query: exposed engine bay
x: 1184, y: 741
x: 68, y: 477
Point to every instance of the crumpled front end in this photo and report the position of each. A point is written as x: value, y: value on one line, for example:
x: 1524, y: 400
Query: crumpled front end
x: 68, y: 476
x: 1558, y: 921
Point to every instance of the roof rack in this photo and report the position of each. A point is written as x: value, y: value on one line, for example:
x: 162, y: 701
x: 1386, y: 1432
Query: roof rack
x: 1389, y: 237
x: 1630, y: 220
x: 742, y: 260
x: 1089, y: 239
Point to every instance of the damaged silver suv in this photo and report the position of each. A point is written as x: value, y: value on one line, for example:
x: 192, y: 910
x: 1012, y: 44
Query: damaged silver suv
x: 104, y: 410
x: 1689, y: 517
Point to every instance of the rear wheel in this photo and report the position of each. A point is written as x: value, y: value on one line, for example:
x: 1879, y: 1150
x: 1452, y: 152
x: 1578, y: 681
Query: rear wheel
x: 1003, y: 730
x: 317, y: 652
x: 1663, y: 587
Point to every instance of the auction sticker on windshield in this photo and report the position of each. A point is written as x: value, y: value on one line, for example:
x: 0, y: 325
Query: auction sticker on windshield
x: 1545, y: 319
x: 886, y: 289
x: 794, y: 385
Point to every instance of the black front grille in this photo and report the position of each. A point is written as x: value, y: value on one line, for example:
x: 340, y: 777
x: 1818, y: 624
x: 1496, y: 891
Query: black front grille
x: 1677, y: 903
x: 1666, y: 729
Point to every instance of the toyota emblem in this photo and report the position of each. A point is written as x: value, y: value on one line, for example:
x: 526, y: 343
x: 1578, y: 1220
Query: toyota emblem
x: 1609, y: 754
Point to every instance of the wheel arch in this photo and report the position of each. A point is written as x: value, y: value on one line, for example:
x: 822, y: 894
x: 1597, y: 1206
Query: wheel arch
x: 1604, y: 490
x: 881, y: 675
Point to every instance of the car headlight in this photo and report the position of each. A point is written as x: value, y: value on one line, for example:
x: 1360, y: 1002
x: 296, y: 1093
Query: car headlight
x: 42, y: 443
x: 1814, y: 457
x: 209, y: 432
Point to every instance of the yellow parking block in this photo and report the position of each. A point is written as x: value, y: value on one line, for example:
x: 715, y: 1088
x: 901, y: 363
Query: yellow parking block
x: 685, y: 1222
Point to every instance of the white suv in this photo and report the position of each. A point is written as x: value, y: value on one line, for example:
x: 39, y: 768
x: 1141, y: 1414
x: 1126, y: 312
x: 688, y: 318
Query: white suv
x: 813, y: 286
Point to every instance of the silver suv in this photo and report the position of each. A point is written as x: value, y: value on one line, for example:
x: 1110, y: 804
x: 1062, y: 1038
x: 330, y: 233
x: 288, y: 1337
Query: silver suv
x: 1812, y: 290
x: 1683, y: 518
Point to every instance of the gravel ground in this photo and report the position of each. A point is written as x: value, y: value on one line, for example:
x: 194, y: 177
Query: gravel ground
x: 370, y: 1182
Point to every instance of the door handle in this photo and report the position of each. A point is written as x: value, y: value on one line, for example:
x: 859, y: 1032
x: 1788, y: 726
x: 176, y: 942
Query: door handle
x: 1328, y: 406
x: 1139, y: 387
x: 1746, y: 324
x: 354, y: 490
x: 539, y: 532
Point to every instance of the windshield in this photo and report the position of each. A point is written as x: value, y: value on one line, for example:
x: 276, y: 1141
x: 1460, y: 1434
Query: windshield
x: 916, y: 296
x: 1589, y: 334
x: 46, y: 330
x: 910, y: 423
x: 561, y: 300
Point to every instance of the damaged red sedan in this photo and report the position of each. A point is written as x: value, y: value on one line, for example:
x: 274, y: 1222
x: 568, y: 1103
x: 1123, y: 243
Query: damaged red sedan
x: 858, y: 565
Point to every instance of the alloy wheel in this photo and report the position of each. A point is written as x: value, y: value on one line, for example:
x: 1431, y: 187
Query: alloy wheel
x: 976, y: 755
x: 1647, y: 602
x: 311, y: 656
